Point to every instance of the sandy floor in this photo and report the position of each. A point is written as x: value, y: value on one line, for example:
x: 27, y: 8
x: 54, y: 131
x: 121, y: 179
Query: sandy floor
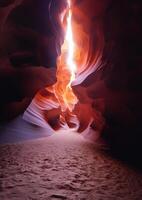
x: 64, y: 166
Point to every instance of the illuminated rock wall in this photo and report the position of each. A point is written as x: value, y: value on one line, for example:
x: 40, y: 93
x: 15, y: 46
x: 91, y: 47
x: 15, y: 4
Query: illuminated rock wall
x: 28, y: 39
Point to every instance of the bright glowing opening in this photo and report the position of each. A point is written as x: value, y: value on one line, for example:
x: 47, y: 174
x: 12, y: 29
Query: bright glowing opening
x: 69, y: 40
x: 66, y: 69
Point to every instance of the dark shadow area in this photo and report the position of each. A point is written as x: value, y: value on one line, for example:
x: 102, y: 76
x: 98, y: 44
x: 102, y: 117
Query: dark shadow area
x: 123, y: 78
x: 118, y: 85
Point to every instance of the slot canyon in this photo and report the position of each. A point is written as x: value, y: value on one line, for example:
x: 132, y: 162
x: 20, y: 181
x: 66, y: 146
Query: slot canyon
x: 70, y: 103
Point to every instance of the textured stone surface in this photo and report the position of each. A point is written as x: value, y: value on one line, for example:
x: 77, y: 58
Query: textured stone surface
x: 27, y: 41
x: 64, y: 166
